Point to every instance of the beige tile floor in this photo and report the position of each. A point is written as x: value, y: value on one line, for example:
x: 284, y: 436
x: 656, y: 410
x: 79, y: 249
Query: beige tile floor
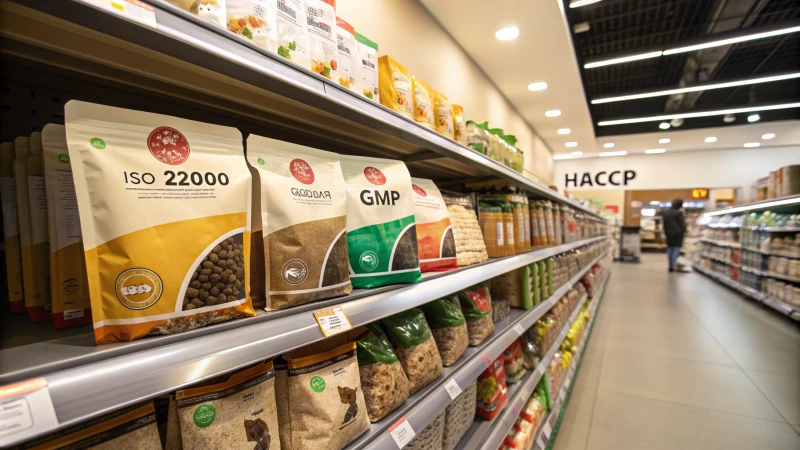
x: 678, y: 361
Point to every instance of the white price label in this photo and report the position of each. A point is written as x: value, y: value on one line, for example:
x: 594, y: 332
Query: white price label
x: 401, y: 432
x: 332, y: 321
x: 519, y: 329
x: 25, y: 409
x: 452, y: 388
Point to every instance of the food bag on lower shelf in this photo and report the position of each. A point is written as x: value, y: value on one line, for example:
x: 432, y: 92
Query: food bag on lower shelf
x: 383, y: 380
x: 430, y: 438
x: 476, y: 305
x: 448, y: 326
x: 470, y: 247
x: 492, y: 390
x: 415, y: 347
x: 515, y: 287
x: 458, y: 416
x: 514, y: 362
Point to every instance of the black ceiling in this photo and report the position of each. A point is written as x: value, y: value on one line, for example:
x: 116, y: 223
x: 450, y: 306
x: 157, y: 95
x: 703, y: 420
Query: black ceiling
x: 626, y: 27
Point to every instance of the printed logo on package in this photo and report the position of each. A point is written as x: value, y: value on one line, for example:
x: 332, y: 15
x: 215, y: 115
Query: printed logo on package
x: 479, y: 298
x: 71, y: 286
x: 294, y: 271
x: 301, y: 171
x: 139, y: 288
x: 168, y: 145
x: 374, y: 176
x: 368, y: 260
x: 419, y: 190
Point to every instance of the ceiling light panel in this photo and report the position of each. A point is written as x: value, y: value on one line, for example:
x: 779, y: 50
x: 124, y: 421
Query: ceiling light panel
x: 576, y: 153
x: 619, y: 153
x: 752, y: 144
x: 750, y: 37
x: 711, y: 139
x: 651, y: 151
x: 623, y: 59
x: 553, y: 113
x: 564, y: 131
x: 690, y: 115
x: 538, y: 86
x: 571, y: 144
x: 663, y: 125
x: 579, y: 3
x: 608, y: 145
x: 753, y: 118
x: 506, y: 34
x: 664, y: 141
x: 768, y: 136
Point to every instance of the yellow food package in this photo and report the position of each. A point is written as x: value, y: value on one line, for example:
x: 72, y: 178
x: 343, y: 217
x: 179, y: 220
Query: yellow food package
x: 164, y: 206
x: 459, y: 125
x: 8, y: 195
x: 443, y: 113
x: 423, y: 102
x: 394, y: 82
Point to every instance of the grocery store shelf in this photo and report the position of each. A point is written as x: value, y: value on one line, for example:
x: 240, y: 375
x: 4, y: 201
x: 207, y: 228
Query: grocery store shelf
x: 229, y: 74
x: 777, y: 276
x: 424, y: 406
x: 752, y: 293
x: 776, y: 229
x: 722, y: 243
x: 759, y: 205
x: 723, y: 261
x: 86, y: 380
x: 765, y: 252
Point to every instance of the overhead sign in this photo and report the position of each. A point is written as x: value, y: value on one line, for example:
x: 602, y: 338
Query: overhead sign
x: 700, y: 194
x: 601, y: 178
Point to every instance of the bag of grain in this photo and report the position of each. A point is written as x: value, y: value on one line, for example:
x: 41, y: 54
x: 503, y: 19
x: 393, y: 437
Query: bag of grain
x: 348, y: 55
x: 258, y: 262
x: 458, y: 416
x: 518, y: 213
x: 212, y: 11
x: 326, y: 402
x: 70, y: 298
x: 443, y: 113
x: 368, y: 67
x: 381, y: 236
x: 470, y: 247
x: 254, y: 20
x: 423, y: 102
x: 493, y: 225
x: 282, y: 401
x: 322, y: 48
x: 415, y: 347
x: 476, y: 304
x: 11, y: 233
x: 430, y: 438
x: 178, y: 253
x: 303, y: 214
x: 39, y: 304
x: 396, y: 86
x: 292, y: 33
x: 448, y: 326
x: 383, y: 381
x: 459, y: 126
x: 513, y: 286
x: 435, y: 239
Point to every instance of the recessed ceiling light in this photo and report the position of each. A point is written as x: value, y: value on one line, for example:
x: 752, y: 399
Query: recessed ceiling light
x: 564, y: 131
x: 577, y: 153
x: 571, y: 144
x: 620, y: 153
x: 579, y: 3
x: 690, y: 115
x: 623, y: 59
x: 553, y: 113
x: 582, y: 27
x: 753, y: 118
x: 608, y: 145
x: 663, y: 125
x: 538, y: 86
x: 664, y: 141
x: 752, y: 144
x: 720, y: 42
x: 711, y: 139
x: 563, y: 156
x: 655, y: 150
x: 506, y: 34
x: 768, y: 136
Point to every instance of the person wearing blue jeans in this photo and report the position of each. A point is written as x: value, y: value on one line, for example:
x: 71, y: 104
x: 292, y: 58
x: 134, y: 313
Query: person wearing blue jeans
x: 675, y: 229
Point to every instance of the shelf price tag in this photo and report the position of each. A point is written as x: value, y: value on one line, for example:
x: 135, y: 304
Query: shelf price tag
x: 519, y: 329
x: 452, y: 388
x: 25, y: 409
x: 401, y: 432
x: 332, y: 321
x: 135, y: 10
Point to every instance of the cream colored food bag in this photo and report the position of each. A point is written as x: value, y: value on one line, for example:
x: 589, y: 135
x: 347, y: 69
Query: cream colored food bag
x: 22, y: 151
x: 292, y: 33
x: 165, y: 212
x: 8, y: 196
x: 70, y: 288
x: 254, y: 20
x: 322, y: 48
x: 40, y: 307
x: 348, y: 55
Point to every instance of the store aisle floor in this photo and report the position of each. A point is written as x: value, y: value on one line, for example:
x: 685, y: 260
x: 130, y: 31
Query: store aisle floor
x: 678, y: 361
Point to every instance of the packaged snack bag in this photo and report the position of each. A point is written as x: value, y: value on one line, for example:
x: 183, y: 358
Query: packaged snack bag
x: 470, y: 247
x: 11, y: 233
x: 443, y: 115
x: 212, y: 11
x: 459, y: 125
x: 493, y: 226
x: 415, y: 347
x: 383, y: 380
x: 395, y: 86
x: 423, y: 102
x: 368, y: 67
x: 448, y: 326
x: 38, y: 305
x: 476, y: 304
x: 177, y: 256
x: 348, y: 55
x: 304, y: 215
x: 435, y: 239
x: 254, y: 20
x: 322, y: 48
x: 70, y: 293
x: 477, y: 137
x: 492, y: 390
x: 292, y: 32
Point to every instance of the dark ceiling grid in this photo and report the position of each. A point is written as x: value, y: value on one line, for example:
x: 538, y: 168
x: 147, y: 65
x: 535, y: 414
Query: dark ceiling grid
x: 620, y: 27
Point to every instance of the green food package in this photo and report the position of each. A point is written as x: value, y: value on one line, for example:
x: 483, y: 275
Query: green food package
x: 544, y: 386
x: 533, y: 279
x: 407, y: 329
x: 415, y: 347
x: 542, y: 280
x: 374, y: 347
x: 549, y: 275
x: 476, y: 301
x: 443, y: 313
x: 525, y: 279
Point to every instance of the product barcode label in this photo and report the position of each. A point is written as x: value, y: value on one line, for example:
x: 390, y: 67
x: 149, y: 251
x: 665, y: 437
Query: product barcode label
x: 25, y: 409
x: 500, y: 240
x: 332, y: 321
x: 73, y: 314
x: 401, y: 432
x: 452, y: 388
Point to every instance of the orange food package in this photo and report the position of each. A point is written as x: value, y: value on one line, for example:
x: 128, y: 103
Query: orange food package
x: 435, y: 239
x: 423, y: 102
x: 443, y: 115
x: 394, y: 82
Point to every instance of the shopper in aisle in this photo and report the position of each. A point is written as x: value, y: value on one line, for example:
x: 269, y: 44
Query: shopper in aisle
x: 675, y: 229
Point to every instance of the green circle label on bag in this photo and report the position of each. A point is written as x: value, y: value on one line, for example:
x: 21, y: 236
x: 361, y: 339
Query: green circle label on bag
x: 63, y: 157
x: 317, y: 384
x: 260, y: 161
x: 97, y: 143
x: 204, y: 415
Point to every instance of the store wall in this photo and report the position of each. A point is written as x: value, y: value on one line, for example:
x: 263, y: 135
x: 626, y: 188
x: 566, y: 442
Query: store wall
x: 690, y: 169
x: 610, y: 197
x: 405, y: 30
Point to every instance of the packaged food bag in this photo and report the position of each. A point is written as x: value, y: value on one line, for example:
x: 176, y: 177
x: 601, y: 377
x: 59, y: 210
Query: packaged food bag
x: 258, y: 261
x: 38, y: 305
x: 254, y: 20
x: 526, y: 207
x: 381, y: 236
x: 518, y: 214
x: 396, y: 86
x: 415, y: 347
x: 430, y: 437
x: 513, y: 286
x: 176, y: 257
x: 348, y: 55
x: 513, y: 362
x: 292, y: 32
x: 477, y: 137
x: 435, y: 240
x: 304, y: 215
x: 459, y: 125
x: 326, y: 402
x: 322, y: 47
x: 423, y: 102
x: 11, y: 231
x: 476, y: 305
x: 492, y: 390
x: 383, y: 380
x: 212, y: 11
x: 368, y: 68
x: 458, y: 416
x: 538, y: 238
x: 493, y: 226
x: 448, y: 326
x: 282, y: 401
x: 70, y: 295
x: 232, y: 411
x: 443, y: 114
x: 470, y: 247
x: 133, y: 427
